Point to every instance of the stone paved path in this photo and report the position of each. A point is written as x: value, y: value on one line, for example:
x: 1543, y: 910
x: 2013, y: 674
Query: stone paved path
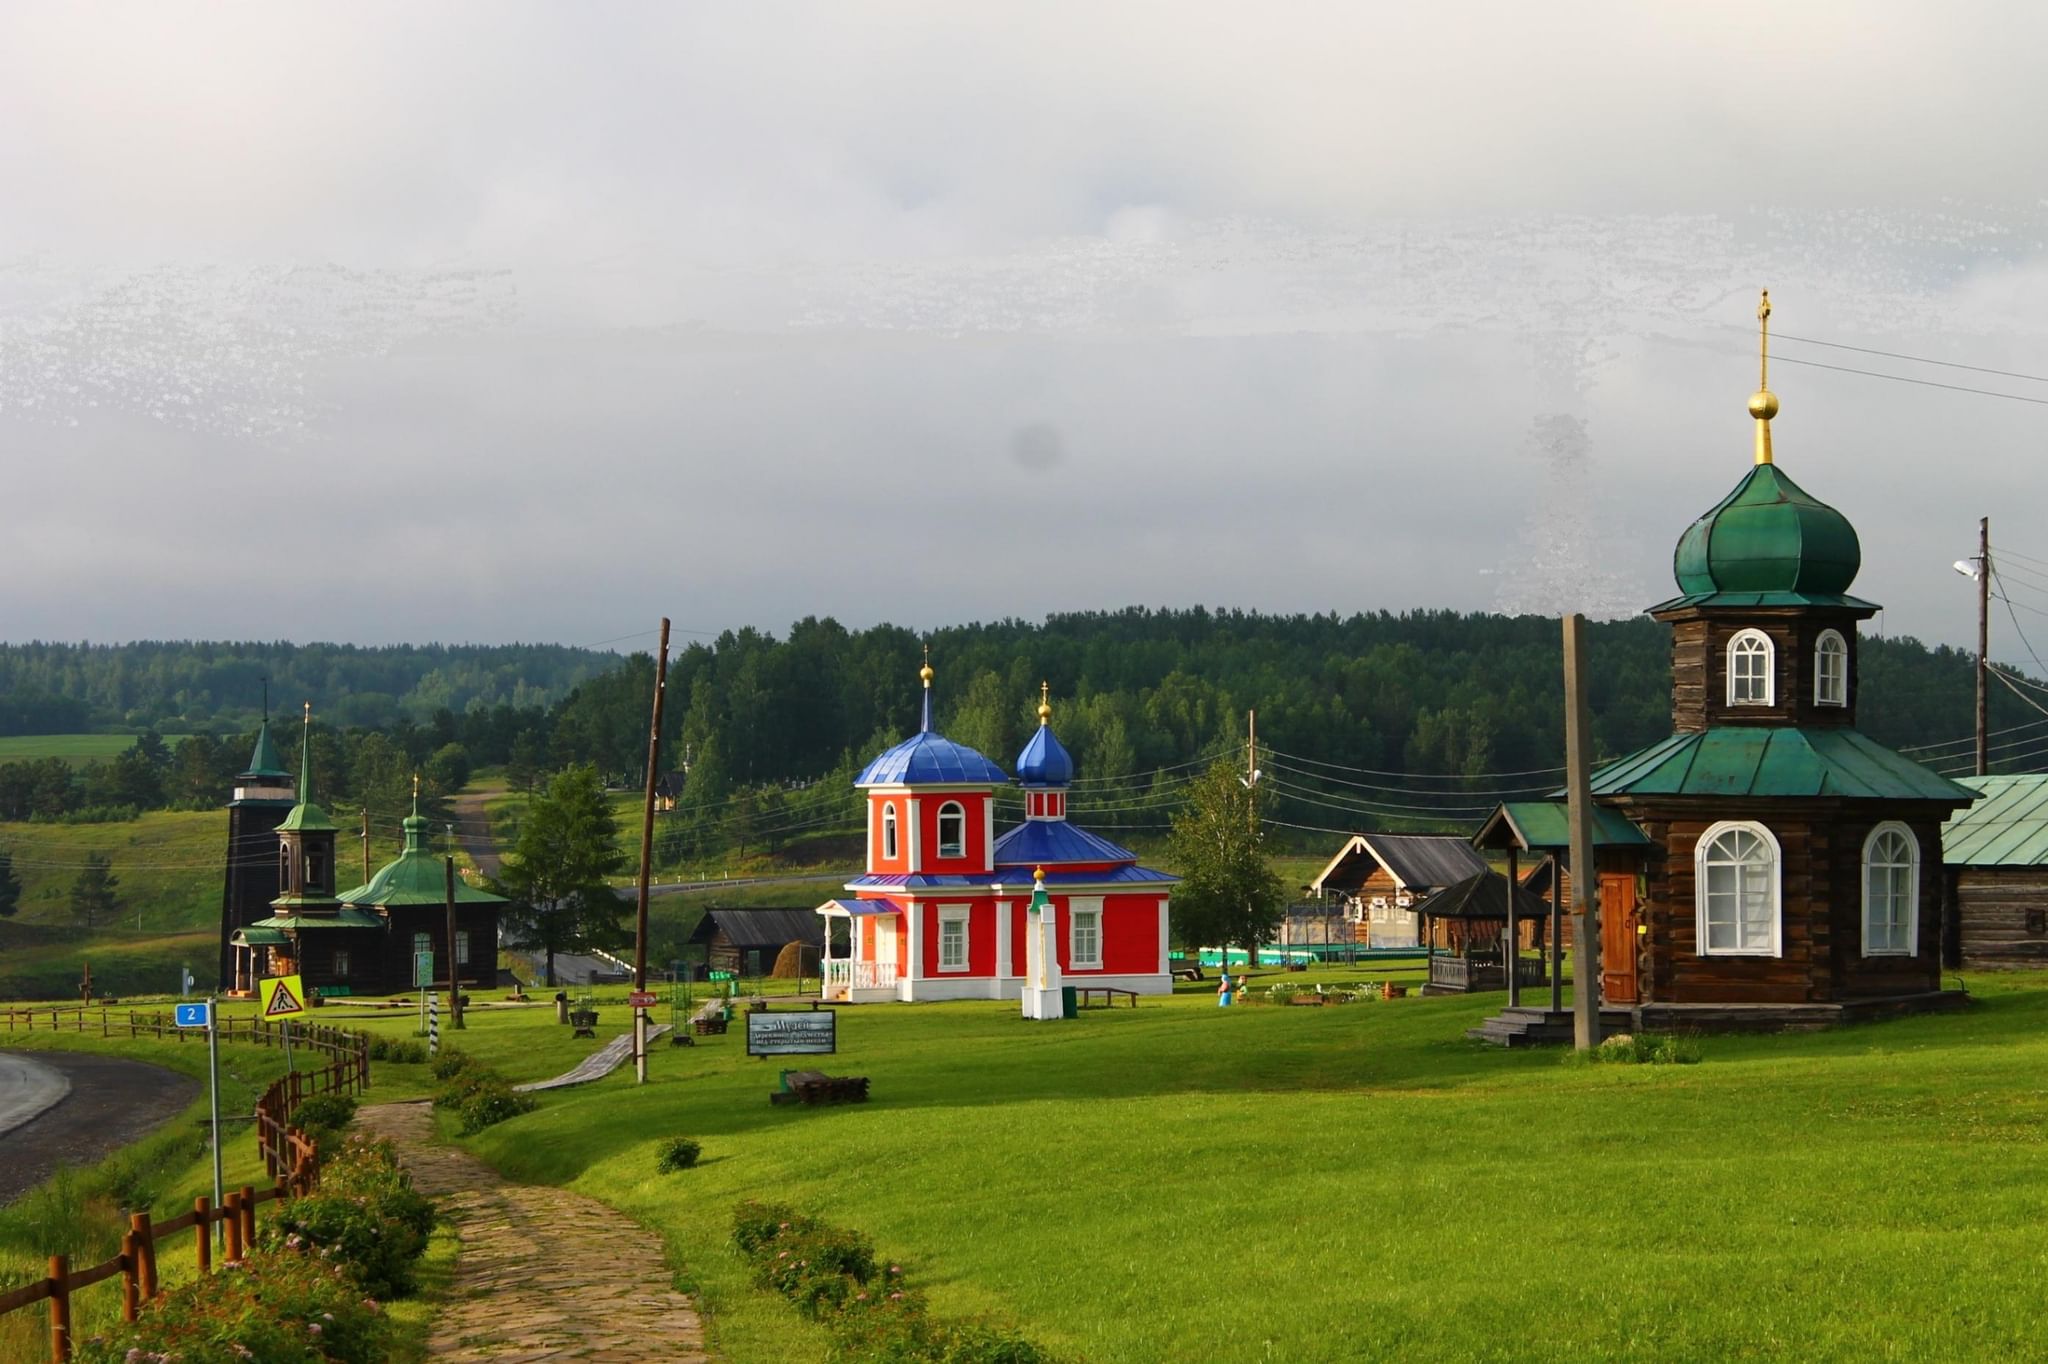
x: 597, y: 1065
x: 544, y: 1274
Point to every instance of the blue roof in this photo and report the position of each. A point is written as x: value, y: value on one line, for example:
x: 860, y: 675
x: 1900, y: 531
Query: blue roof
x: 1049, y: 841
x: 1045, y: 760
x: 929, y: 757
x: 896, y: 880
x: 1132, y: 874
x: 863, y: 906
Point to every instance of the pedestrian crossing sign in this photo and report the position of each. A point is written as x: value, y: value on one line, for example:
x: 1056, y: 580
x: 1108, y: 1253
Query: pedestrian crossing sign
x: 282, y: 996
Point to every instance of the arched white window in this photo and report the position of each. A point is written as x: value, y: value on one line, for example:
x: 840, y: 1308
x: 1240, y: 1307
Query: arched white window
x: 1749, y: 669
x: 1891, y: 892
x: 952, y: 829
x: 1735, y: 891
x: 889, y: 831
x: 1830, y: 670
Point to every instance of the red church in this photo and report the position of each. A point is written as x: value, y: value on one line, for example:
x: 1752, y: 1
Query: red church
x: 944, y: 908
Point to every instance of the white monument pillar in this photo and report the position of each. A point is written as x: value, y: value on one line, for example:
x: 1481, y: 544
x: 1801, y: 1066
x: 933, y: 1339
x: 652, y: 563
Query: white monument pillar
x: 1041, y: 994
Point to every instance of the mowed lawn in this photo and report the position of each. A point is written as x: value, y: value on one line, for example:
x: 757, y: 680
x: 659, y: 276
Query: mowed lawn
x: 76, y: 749
x: 1177, y: 1182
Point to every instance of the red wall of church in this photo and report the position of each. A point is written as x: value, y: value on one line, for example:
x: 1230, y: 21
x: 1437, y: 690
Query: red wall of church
x: 981, y: 939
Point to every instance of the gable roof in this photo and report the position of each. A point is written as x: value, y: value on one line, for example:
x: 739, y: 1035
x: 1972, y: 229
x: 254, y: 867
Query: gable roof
x: 1757, y: 760
x: 2007, y: 827
x: 748, y: 928
x: 1527, y: 824
x: 1415, y: 861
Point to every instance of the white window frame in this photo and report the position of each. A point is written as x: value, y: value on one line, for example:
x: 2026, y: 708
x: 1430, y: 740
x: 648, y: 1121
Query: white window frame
x: 1767, y: 652
x: 953, y: 809
x: 341, y: 961
x: 1912, y: 897
x: 462, y: 947
x: 1075, y: 913
x: 1701, y: 941
x: 963, y: 916
x: 889, y: 840
x: 1823, y: 695
x: 421, y: 942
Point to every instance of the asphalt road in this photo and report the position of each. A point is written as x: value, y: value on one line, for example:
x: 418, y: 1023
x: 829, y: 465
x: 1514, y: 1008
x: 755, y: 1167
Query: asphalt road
x: 27, y: 1087
x: 110, y: 1102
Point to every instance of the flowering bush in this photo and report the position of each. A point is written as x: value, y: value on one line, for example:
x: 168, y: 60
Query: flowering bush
x: 451, y: 1063
x: 365, y: 1216
x: 275, y: 1307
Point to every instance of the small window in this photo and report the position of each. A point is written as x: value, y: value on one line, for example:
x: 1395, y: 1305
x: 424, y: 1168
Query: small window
x: 1749, y: 669
x: 889, y: 832
x: 1831, y: 670
x: 1891, y: 892
x: 422, y: 942
x: 953, y: 939
x: 1735, y: 891
x: 341, y: 961
x: 1084, y: 940
x: 462, y: 948
x: 952, y: 830
x: 316, y: 871
x: 284, y: 867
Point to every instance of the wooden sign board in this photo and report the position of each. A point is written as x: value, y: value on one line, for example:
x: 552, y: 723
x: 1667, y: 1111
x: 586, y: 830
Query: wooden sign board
x: 792, y: 1034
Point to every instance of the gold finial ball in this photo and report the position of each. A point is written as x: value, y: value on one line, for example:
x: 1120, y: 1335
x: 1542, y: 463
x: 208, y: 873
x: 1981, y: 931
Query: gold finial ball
x: 1763, y: 404
x: 1044, y: 712
x: 924, y: 674
x: 1038, y: 875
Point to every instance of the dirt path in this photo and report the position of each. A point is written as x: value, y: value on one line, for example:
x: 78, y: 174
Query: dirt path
x: 111, y: 1103
x: 544, y: 1274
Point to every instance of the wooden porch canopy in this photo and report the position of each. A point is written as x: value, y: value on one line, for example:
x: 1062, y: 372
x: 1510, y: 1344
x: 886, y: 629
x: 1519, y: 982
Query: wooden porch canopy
x: 1545, y: 826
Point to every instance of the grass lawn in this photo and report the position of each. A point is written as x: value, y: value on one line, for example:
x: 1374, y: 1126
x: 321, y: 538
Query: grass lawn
x: 1355, y: 1182
x: 76, y: 749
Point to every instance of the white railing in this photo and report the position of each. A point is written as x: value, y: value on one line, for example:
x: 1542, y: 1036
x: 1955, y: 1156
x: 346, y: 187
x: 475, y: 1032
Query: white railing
x: 842, y: 974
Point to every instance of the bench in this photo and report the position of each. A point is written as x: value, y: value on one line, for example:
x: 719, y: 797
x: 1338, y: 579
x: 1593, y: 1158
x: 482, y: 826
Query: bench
x: 1188, y: 973
x: 816, y: 1087
x: 1108, y: 993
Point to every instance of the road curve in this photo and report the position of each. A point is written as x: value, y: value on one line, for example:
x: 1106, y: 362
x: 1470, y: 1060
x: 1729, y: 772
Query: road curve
x: 111, y: 1102
x: 27, y: 1087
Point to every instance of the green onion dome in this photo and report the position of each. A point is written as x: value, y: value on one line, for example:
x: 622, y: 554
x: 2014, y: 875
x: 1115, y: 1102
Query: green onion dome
x: 1769, y: 535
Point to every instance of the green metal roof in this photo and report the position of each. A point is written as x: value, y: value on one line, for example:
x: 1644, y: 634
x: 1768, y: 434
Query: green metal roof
x: 2007, y: 827
x: 253, y: 936
x: 306, y: 817
x: 1857, y: 604
x: 1768, y: 535
x: 345, y: 917
x: 1767, y: 761
x: 1548, y: 824
x: 265, y: 761
x: 417, y: 877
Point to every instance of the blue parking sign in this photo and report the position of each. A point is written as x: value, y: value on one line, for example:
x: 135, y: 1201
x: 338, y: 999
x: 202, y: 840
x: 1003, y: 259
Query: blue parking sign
x: 193, y: 1015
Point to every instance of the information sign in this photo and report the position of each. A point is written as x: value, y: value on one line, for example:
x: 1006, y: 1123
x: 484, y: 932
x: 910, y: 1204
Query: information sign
x: 282, y: 996
x: 193, y: 1015
x: 792, y: 1034
x: 722, y: 975
x: 422, y: 970
x: 643, y: 999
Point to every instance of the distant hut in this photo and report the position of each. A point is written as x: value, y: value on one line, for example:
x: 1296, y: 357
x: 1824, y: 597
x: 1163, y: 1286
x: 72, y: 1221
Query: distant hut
x: 1386, y: 875
x: 747, y: 941
x: 1996, y: 858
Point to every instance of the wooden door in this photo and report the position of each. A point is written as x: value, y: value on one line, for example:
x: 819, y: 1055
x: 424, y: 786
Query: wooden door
x: 1618, y: 940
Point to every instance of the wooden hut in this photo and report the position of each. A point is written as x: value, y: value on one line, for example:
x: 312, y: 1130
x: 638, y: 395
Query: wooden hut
x: 1386, y: 875
x: 747, y: 941
x: 1995, y: 855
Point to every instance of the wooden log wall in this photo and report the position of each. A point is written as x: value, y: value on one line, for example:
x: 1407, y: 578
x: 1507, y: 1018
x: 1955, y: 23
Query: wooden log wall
x: 2002, y: 916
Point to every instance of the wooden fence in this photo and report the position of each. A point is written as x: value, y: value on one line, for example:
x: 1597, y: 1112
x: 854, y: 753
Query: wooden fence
x: 291, y: 1158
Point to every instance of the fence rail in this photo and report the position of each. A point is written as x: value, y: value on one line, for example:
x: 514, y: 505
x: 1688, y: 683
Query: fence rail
x: 289, y: 1155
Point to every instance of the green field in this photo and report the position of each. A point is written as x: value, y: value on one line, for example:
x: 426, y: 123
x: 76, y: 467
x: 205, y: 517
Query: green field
x: 1178, y: 1182
x: 76, y: 749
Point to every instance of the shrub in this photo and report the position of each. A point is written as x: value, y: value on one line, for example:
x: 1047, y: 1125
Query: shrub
x: 451, y: 1063
x: 491, y: 1103
x: 277, y: 1307
x: 756, y: 1224
x: 325, y: 1112
x: 365, y: 1216
x: 1640, y: 1049
x: 678, y: 1153
x: 398, y: 1051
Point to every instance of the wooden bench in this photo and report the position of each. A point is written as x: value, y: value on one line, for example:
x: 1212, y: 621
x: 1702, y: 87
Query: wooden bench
x: 816, y: 1087
x: 1188, y: 973
x: 1108, y: 993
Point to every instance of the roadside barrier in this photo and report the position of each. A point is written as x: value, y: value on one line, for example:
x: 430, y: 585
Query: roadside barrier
x: 289, y: 1155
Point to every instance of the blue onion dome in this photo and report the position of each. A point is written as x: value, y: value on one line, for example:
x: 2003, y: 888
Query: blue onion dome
x: 1045, y: 760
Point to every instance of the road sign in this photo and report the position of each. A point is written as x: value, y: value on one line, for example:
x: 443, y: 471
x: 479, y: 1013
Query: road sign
x: 282, y: 997
x: 788, y: 1033
x: 193, y: 1015
x: 422, y: 970
x: 723, y: 975
x: 643, y: 999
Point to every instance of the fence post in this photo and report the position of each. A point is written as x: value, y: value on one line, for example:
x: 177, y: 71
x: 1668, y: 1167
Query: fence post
x: 202, y: 1211
x: 60, y: 1308
x: 131, y: 1263
x: 145, y: 1244
x: 231, y: 1215
x: 248, y: 1217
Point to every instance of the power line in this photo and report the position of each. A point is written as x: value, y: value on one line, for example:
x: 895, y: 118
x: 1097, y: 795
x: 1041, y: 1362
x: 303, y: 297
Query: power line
x: 2038, y: 664
x: 1419, y: 776
x: 1916, y: 359
x: 1410, y: 790
x: 1902, y: 379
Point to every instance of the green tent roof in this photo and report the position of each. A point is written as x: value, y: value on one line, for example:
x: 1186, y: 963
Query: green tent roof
x: 417, y: 877
x: 345, y: 917
x: 265, y: 761
x: 2007, y: 827
x: 1763, y: 761
x: 1768, y: 536
x: 1529, y: 824
x: 306, y: 817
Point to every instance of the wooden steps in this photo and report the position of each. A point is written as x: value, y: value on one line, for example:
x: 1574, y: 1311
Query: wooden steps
x: 1533, y: 1027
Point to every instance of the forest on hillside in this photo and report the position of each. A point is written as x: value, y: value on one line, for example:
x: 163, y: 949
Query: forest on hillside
x: 1419, y: 719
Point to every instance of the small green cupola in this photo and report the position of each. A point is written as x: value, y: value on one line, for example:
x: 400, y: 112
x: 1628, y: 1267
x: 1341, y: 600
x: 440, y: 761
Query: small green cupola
x: 306, y: 817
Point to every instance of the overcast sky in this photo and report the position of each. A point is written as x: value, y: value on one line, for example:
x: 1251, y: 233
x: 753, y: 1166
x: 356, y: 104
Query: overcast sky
x: 536, y: 322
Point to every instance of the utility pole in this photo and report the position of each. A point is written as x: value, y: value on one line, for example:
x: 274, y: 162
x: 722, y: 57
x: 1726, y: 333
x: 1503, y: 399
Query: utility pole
x: 454, y: 959
x: 647, y: 858
x: 1578, y: 724
x: 1983, y: 644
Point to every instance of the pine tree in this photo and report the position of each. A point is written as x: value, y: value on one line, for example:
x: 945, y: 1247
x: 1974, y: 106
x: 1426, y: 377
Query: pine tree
x: 10, y: 886
x: 93, y: 895
x: 568, y: 844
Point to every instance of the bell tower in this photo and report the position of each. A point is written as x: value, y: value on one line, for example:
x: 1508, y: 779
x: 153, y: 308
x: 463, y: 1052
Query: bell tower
x: 263, y: 795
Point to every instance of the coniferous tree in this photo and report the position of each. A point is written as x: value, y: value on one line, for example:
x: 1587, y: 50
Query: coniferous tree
x: 555, y: 877
x: 10, y: 886
x: 94, y: 895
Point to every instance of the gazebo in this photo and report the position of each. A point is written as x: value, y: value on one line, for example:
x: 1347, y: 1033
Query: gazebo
x: 1477, y: 953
